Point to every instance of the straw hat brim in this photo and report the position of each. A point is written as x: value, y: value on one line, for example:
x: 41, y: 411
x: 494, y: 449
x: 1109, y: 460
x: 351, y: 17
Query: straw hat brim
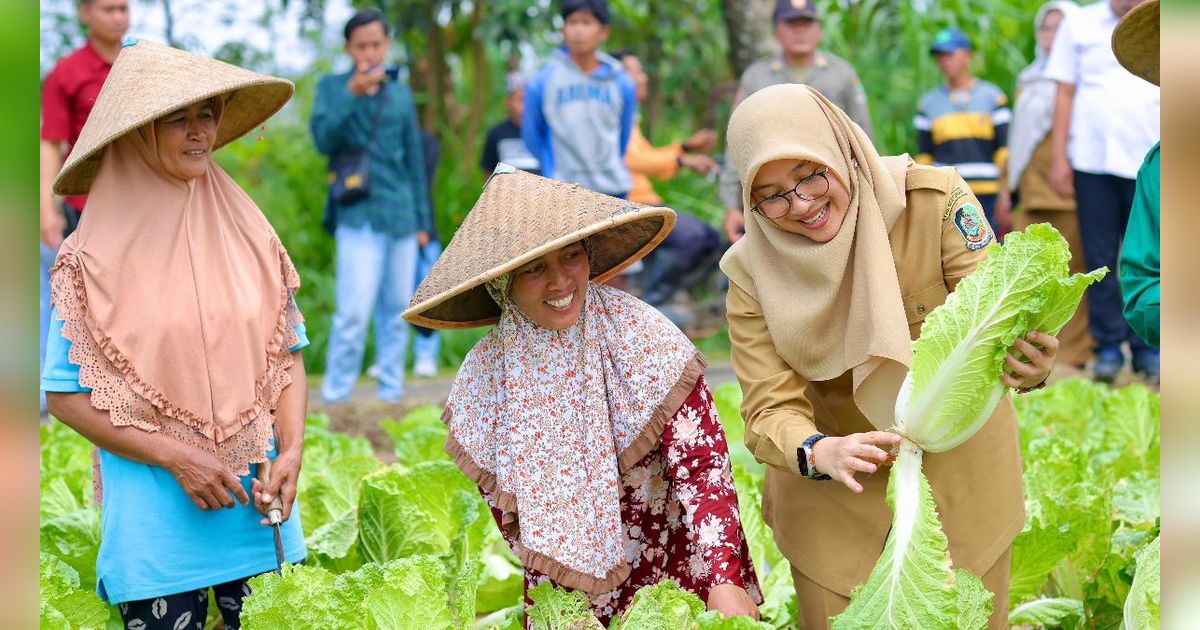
x: 615, y: 243
x: 150, y: 80
x: 518, y: 218
x: 1135, y: 41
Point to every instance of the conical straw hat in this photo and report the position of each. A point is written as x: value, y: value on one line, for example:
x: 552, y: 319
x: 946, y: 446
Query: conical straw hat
x: 519, y: 218
x: 1135, y: 41
x: 150, y: 80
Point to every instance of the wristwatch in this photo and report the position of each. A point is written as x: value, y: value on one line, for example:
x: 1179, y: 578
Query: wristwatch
x: 1026, y: 390
x: 805, y: 456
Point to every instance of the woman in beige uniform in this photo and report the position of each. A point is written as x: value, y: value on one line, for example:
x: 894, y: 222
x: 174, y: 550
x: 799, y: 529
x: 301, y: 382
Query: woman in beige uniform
x: 845, y: 254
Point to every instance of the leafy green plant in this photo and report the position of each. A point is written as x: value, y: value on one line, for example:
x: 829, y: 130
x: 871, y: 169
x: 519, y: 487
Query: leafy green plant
x: 1142, y: 606
x: 64, y: 605
x: 1091, y: 487
x: 952, y: 388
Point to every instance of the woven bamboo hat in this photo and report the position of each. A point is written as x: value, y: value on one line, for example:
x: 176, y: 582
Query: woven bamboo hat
x: 519, y: 218
x: 150, y: 80
x: 1135, y: 41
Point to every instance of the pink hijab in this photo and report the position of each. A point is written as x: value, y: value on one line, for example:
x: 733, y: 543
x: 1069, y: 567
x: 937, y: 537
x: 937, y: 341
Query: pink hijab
x: 177, y: 298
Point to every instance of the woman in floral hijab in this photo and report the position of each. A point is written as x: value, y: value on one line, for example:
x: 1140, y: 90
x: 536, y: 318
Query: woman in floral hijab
x: 583, y: 415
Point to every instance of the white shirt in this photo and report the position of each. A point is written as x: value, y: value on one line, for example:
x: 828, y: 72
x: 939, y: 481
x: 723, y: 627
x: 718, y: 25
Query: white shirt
x: 1115, y: 120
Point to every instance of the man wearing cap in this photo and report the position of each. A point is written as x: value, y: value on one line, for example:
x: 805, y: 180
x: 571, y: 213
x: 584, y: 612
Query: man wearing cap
x: 67, y: 97
x: 1105, y: 121
x: 964, y: 123
x: 580, y: 106
x: 798, y: 33
x: 504, y: 143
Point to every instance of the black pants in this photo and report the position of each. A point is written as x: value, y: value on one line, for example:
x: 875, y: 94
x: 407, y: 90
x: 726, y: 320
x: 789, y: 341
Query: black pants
x: 186, y: 610
x: 685, y: 257
x: 1104, y: 202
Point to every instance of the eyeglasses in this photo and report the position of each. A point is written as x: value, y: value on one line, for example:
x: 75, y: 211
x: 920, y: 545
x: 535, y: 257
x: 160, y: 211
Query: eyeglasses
x: 808, y: 189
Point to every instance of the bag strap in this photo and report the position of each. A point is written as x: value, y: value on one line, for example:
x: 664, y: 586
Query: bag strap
x: 378, y: 114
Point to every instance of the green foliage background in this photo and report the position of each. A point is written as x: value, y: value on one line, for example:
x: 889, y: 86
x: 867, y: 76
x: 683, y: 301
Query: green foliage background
x: 684, y: 46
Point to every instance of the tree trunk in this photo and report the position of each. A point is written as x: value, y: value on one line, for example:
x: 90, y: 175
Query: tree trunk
x: 481, y: 88
x: 748, y: 24
x: 435, y: 109
x: 170, y: 23
x: 653, y: 63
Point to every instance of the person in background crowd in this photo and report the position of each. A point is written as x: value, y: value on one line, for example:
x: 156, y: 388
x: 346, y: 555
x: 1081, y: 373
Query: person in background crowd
x: 504, y: 143
x: 176, y: 340
x: 1135, y: 44
x: 583, y: 415
x: 692, y: 245
x: 964, y: 123
x: 800, y: 60
x: 378, y: 234
x: 580, y: 106
x: 1105, y: 121
x: 67, y: 97
x: 1028, y: 176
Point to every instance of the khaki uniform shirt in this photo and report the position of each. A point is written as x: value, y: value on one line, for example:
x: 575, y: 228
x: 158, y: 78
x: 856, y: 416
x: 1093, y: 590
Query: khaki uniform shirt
x: 829, y: 74
x: 828, y: 533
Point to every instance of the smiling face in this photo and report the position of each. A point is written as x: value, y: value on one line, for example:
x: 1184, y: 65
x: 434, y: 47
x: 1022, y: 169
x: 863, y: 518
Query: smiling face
x: 819, y: 219
x: 185, y: 139
x: 550, y: 290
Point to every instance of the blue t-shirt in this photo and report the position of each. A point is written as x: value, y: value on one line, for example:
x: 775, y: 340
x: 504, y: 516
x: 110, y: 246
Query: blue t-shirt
x: 153, y: 540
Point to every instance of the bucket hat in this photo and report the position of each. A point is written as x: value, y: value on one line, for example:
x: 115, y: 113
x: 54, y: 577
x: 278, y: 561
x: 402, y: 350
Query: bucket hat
x: 149, y: 80
x: 519, y: 218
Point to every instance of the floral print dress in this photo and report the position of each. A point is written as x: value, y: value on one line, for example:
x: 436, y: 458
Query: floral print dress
x: 680, y: 514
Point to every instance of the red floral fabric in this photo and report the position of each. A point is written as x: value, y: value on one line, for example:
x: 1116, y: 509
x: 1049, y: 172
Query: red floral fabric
x: 679, y: 513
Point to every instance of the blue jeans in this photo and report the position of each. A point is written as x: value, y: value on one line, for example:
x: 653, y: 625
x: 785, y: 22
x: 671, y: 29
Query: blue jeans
x: 46, y: 260
x: 428, y: 341
x: 375, y: 275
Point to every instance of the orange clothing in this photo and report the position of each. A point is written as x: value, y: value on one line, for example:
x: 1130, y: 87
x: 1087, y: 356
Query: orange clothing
x: 645, y: 161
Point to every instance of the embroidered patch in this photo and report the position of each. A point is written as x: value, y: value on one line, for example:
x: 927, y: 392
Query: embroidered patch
x: 954, y: 197
x: 973, y: 226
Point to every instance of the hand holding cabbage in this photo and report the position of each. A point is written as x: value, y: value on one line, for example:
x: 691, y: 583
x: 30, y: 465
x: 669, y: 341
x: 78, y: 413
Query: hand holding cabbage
x: 953, y: 386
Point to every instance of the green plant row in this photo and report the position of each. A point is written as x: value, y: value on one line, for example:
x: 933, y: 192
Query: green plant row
x: 413, y: 545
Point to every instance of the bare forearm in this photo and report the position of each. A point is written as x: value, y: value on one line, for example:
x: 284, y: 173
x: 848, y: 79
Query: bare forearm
x: 1063, y: 104
x: 51, y: 161
x: 76, y: 411
x: 292, y: 407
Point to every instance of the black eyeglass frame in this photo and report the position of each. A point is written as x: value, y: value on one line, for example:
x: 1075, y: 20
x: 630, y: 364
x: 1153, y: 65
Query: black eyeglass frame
x: 824, y: 174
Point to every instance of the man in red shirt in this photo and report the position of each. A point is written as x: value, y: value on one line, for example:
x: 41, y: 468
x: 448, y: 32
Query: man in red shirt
x: 67, y: 96
x: 68, y: 93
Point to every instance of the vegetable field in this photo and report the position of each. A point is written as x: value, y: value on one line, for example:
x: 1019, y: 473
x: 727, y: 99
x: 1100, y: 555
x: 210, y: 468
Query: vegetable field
x: 413, y: 545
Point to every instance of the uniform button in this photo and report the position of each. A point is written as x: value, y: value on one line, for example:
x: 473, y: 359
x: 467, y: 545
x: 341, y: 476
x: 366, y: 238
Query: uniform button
x: 920, y: 309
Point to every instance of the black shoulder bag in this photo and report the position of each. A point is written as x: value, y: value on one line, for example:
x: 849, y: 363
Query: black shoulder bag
x: 349, y: 170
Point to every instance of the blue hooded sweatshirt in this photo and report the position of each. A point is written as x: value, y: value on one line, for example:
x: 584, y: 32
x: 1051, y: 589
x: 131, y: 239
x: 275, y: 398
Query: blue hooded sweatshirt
x: 579, y: 124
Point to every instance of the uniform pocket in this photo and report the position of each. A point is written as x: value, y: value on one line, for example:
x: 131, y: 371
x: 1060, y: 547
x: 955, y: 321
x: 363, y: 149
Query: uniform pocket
x: 920, y: 304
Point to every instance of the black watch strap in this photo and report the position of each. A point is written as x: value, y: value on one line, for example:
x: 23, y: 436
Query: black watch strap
x: 804, y: 457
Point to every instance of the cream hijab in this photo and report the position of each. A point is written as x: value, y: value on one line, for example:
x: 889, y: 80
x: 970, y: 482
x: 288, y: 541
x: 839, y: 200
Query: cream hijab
x: 836, y: 306
x: 177, y: 298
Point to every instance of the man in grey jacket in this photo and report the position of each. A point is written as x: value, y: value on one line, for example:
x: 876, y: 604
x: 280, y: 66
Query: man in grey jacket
x: 798, y: 32
x: 580, y: 106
